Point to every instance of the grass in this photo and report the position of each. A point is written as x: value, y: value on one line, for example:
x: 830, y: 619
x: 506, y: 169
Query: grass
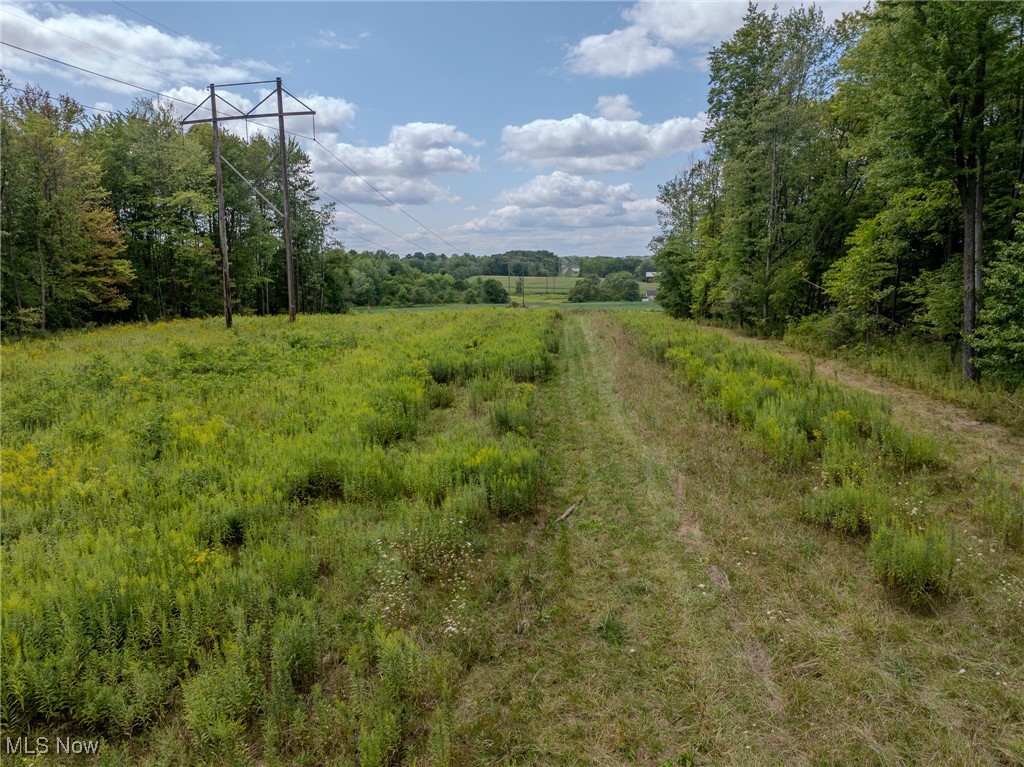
x: 927, y: 367
x: 369, y: 571
x: 210, y: 535
x: 686, y: 613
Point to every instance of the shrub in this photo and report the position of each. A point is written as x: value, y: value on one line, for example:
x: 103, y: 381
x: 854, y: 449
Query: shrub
x: 907, y: 450
x: 847, y: 508
x: 777, y: 433
x: 845, y: 462
x: 1003, y: 507
x: 912, y: 562
x: 514, y: 413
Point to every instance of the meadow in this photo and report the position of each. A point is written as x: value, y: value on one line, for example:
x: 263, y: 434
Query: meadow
x: 202, y: 526
x: 484, y: 536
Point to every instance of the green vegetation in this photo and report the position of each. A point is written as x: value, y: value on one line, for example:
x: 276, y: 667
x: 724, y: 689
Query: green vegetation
x: 320, y: 543
x: 795, y: 418
x: 215, y: 523
x: 618, y: 286
x: 863, y: 183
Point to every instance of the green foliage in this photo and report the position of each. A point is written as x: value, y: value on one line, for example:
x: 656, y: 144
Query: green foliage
x: 175, y: 495
x: 514, y: 412
x: 847, y: 508
x: 913, y: 563
x: 841, y: 181
x: 493, y: 292
x: 1002, y: 506
x: 1000, y: 336
x: 793, y: 417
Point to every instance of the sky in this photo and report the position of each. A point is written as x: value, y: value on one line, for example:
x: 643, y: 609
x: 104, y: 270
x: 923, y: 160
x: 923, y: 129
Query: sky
x: 473, y: 127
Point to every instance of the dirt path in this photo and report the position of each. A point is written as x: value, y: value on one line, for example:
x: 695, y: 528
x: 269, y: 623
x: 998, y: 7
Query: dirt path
x: 971, y: 444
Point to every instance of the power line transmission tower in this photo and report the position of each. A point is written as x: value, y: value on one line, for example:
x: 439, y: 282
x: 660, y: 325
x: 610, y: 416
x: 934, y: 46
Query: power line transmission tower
x: 252, y: 114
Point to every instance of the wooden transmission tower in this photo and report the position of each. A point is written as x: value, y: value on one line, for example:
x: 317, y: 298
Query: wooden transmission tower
x: 252, y: 114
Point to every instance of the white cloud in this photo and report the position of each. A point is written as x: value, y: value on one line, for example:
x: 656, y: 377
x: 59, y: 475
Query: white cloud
x: 583, y: 144
x: 690, y: 23
x: 622, y: 53
x: 654, y: 29
x: 563, y: 202
x: 113, y: 46
x: 328, y: 38
x: 565, y: 190
x: 616, y: 107
x: 401, y: 168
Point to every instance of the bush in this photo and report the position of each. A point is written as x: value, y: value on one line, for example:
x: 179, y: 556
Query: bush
x: 1003, y: 507
x: 514, y: 413
x: 847, y: 508
x: 914, y: 563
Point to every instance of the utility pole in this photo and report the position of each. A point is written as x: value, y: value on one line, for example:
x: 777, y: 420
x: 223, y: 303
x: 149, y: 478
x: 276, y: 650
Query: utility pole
x: 252, y: 114
x: 221, y: 222
x: 287, y: 209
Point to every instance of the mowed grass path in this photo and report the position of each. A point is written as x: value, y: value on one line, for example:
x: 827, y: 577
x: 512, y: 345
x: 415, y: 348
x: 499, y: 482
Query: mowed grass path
x: 683, y: 614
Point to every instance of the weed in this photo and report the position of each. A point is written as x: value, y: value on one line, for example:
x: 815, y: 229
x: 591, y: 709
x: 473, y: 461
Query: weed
x: 912, y: 562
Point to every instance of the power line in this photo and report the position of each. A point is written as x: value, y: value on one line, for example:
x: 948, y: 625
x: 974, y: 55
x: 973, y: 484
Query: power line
x: 357, y: 212
x: 297, y: 135
x: 104, y: 50
x: 273, y: 207
x: 56, y: 100
x: 360, y: 213
x: 246, y: 67
x: 97, y: 74
x: 378, y: 191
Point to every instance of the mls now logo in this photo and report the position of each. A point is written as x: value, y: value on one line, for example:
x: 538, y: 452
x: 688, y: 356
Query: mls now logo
x: 32, y: 746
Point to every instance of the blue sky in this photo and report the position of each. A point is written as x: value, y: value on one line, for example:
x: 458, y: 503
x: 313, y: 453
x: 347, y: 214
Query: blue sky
x: 496, y: 125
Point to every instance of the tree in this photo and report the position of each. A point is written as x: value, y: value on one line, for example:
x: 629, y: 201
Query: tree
x: 621, y: 286
x: 586, y: 289
x: 493, y: 292
x: 943, y: 81
x: 1000, y: 335
x: 59, y: 238
x: 773, y: 138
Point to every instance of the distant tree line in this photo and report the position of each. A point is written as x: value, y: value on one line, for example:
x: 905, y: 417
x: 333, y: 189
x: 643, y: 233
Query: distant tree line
x: 617, y: 286
x: 114, y: 218
x: 864, y: 179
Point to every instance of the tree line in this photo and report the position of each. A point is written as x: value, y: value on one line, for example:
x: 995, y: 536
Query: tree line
x: 864, y: 179
x: 114, y: 218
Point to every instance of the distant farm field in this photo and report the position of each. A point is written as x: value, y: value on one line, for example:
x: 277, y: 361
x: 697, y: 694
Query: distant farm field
x: 493, y: 536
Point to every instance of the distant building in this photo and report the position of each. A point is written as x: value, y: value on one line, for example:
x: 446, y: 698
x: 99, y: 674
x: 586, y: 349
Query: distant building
x: 570, y: 269
x: 651, y: 276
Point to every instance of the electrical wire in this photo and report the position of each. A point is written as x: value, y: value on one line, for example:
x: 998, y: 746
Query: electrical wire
x: 246, y: 67
x: 296, y: 135
x: 104, y: 50
x: 56, y: 100
x: 98, y: 74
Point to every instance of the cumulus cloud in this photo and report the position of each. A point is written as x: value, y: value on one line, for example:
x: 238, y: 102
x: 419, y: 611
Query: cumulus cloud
x: 616, y: 107
x: 655, y: 29
x: 622, y: 53
x: 401, y: 168
x: 562, y: 189
x: 583, y: 144
x: 107, y: 44
x: 561, y: 202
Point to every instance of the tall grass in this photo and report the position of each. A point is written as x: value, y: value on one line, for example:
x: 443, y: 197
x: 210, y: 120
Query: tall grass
x: 796, y: 419
x: 179, y: 501
x: 928, y: 366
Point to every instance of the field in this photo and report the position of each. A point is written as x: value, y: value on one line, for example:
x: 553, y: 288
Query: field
x: 497, y: 537
x: 549, y: 291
